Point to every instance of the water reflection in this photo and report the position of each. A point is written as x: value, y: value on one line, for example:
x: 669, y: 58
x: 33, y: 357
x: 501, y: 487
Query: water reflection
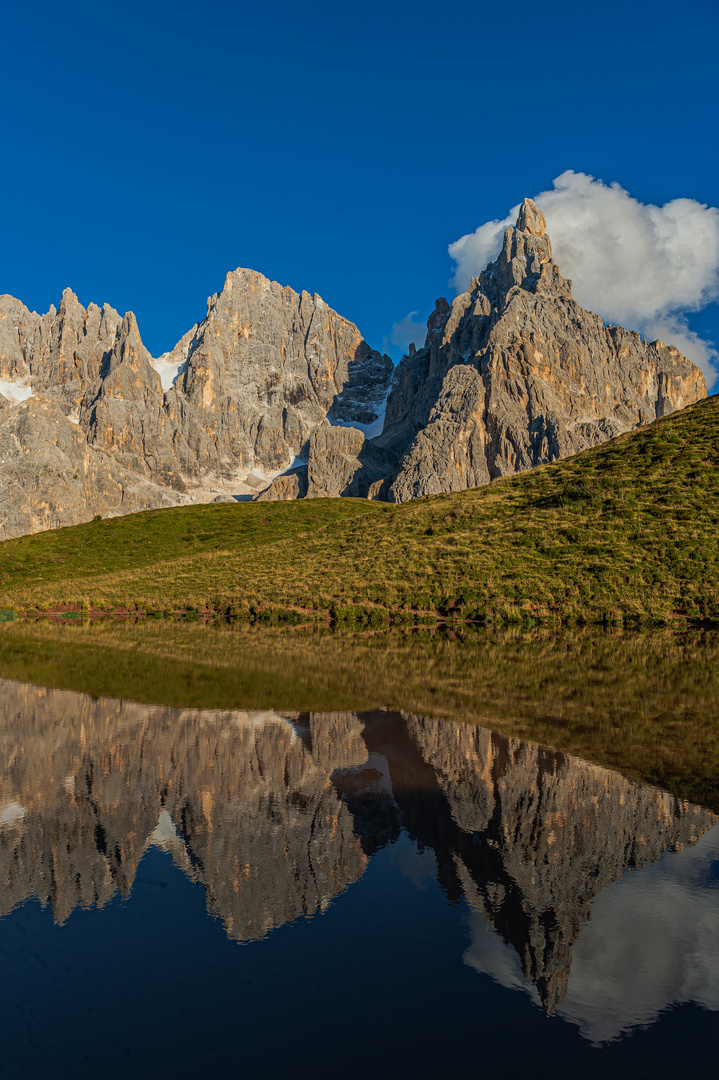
x: 243, y: 801
x: 652, y: 942
x: 274, y: 815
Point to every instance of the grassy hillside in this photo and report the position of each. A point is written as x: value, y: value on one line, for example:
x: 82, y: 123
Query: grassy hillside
x: 627, y: 531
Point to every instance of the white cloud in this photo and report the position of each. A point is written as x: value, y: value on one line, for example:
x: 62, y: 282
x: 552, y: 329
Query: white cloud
x: 409, y: 329
x: 640, y: 266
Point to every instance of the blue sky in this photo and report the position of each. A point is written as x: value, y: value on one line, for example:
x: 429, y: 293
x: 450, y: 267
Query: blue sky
x: 150, y: 147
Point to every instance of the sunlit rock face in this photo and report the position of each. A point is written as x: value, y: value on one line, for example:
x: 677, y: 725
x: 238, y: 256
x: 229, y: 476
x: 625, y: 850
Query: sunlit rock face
x: 276, y: 814
x: 513, y: 374
x: 91, y: 423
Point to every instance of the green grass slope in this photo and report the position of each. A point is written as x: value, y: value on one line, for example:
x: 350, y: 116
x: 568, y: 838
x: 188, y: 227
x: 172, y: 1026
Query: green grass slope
x: 626, y: 531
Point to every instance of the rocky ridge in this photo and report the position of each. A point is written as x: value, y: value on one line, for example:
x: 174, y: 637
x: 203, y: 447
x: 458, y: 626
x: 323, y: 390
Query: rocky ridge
x: 91, y: 423
x: 513, y: 374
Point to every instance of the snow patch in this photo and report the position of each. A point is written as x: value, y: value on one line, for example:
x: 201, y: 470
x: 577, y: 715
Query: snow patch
x: 261, y: 719
x: 295, y: 463
x: 369, y: 430
x: 268, y: 477
x: 168, y: 370
x: 16, y: 392
x: 246, y: 485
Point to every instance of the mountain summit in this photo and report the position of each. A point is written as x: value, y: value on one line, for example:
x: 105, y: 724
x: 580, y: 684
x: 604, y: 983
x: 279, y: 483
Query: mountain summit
x: 515, y: 374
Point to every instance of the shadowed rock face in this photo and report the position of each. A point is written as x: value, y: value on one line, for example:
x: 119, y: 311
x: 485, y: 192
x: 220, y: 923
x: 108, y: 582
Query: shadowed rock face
x: 276, y: 814
x: 233, y: 403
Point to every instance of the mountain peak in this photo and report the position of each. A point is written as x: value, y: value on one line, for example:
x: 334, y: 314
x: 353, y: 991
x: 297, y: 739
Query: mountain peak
x: 531, y: 219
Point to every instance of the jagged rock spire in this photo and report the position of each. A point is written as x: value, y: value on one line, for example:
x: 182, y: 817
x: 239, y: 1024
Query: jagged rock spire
x: 518, y: 374
x: 531, y: 219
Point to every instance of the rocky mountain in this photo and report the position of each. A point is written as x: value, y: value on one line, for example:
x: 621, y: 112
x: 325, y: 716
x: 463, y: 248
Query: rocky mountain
x: 274, y: 395
x: 91, y: 423
x: 513, y: 374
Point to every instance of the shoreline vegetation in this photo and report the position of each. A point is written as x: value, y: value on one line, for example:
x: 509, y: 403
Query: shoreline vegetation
x: 643, y: 704
x: 624, y: 533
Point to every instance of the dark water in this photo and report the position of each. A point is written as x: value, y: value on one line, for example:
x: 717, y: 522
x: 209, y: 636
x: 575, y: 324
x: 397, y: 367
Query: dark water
x: 244, y: 893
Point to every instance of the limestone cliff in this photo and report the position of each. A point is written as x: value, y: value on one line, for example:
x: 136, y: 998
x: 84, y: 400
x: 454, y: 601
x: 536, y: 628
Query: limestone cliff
x: 515, y: 374
x: 90, y: 423
x: 274, y: 395
x: 50, y: 476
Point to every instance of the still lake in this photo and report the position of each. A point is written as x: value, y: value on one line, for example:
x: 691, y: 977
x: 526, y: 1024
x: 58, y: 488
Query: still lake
x: 197, y: 878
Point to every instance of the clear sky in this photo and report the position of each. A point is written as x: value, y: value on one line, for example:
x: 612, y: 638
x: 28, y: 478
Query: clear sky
x: 149, y: 147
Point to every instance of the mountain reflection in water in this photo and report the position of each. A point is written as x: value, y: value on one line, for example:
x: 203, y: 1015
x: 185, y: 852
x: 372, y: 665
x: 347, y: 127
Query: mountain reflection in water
x: 275, y: 815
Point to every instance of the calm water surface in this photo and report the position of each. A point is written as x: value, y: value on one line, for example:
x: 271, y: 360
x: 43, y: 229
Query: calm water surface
x: 236, y: 892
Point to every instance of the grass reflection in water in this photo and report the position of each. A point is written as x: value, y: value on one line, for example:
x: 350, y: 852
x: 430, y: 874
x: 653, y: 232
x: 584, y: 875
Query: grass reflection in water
x: 647, y: 705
